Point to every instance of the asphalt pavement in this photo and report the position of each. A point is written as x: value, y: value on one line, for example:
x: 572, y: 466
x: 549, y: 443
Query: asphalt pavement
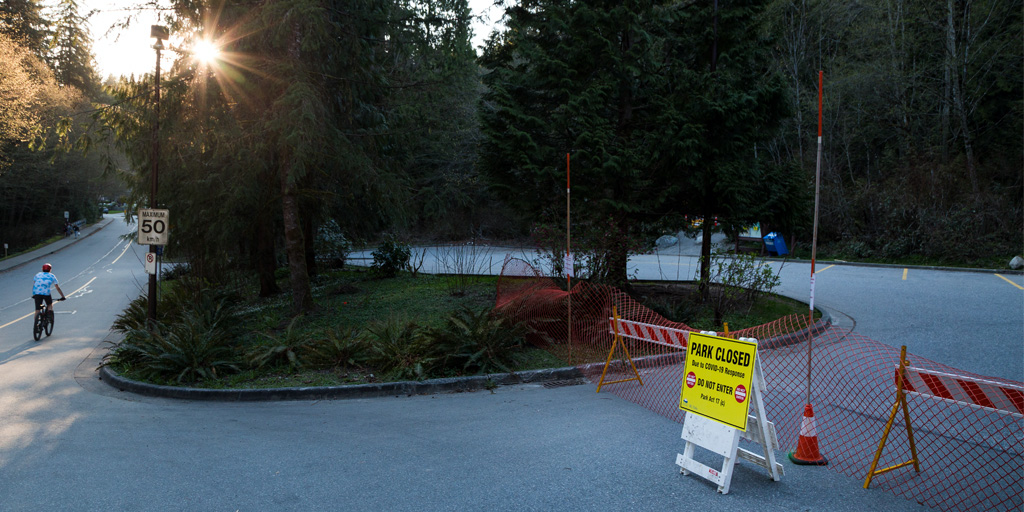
x: 68, y: 441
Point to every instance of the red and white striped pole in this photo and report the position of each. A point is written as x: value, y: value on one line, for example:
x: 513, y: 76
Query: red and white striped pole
x: 814, y: 238
x: 568, y: 264
x: 807, y: 446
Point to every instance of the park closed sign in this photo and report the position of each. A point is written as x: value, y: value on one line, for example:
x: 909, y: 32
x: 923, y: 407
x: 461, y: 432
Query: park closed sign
x: 717, y: 378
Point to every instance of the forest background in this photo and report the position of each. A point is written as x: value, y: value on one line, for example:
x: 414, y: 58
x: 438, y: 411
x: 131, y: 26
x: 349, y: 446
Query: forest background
x: 345, y: 120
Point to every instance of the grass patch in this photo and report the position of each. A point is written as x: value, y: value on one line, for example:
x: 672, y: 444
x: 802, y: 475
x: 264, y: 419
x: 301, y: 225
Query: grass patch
x: 365, y: 330
x: 678, y: 302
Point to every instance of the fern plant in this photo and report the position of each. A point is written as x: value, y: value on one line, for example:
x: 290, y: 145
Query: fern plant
x: 477, y: 342
x: 279, y: 350
x: 344, y: 347
x: 197, y: 346
x: 398, y: 349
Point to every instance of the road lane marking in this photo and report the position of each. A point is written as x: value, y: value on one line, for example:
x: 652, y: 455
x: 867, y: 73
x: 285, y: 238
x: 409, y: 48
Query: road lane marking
x: 824, y: 269
x: 17, y: 320
x: 904, y: 274
x: 55, y: 311
x: 126, y: 247
x: 1008, y: 281
x: 81, y: 287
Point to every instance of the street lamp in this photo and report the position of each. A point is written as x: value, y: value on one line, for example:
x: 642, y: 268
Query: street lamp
x: 160, y: 34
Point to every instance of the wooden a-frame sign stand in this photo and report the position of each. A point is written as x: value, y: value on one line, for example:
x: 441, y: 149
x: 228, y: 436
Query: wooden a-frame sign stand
x: 724, y: 440
x: 617, y: 342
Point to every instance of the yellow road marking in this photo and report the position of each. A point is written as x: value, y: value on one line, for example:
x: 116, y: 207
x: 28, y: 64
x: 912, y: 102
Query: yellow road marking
x: 824, y: 269
x: 1011, y: 282
x: 17, y: 320
x: 33, y: 313
x: 904, y: 274
x: 126, y: 247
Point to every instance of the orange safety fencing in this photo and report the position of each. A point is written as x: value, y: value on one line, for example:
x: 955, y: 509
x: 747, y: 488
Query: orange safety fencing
x: 971, y: 456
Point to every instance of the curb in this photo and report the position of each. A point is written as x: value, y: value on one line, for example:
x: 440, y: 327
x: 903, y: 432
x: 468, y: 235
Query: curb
x: 896, y: 265
x: 800, y: 336
x: 46, y: 251
x: 407, y: 388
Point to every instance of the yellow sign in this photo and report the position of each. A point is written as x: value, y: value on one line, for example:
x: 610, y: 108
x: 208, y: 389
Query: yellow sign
x: 717, y: 378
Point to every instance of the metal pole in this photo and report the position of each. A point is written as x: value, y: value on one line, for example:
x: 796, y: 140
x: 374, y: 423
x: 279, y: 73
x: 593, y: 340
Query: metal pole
x: 568, y: 254
x: 155, y: 160
x: 814, y: 240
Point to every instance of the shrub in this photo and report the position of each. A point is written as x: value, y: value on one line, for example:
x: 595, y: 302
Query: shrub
x: 742, y: 279
x: 196, y: 346
x: 398, y: 349
x: 331, y: 245
x: 476, y: 342
x: 278, y: 350
x: 340, y: 348
x: 391, y: 257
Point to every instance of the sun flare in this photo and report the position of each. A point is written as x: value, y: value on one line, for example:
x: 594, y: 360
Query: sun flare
x: 205, y: 51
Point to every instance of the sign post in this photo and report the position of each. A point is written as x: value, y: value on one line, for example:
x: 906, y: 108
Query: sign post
x: 722, y: 380
x: 153, y: 227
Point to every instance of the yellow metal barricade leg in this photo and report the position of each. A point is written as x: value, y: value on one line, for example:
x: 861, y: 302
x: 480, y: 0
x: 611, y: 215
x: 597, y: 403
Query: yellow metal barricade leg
x: 618, y: 342
x: 901, y: 401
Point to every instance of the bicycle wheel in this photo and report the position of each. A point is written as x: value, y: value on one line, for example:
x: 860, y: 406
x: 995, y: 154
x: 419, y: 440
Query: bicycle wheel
x: 37, y: 327
x: 49, y: 322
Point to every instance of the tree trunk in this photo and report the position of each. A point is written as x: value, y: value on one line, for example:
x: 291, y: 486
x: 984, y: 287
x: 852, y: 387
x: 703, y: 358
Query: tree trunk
x: 309, y: 235
x: 302, y: 294
x: 953, y: 49
x: 295, y: 246
x: 266, y: 262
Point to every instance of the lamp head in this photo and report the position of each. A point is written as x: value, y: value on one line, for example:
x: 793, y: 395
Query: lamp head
x: 159, y: 32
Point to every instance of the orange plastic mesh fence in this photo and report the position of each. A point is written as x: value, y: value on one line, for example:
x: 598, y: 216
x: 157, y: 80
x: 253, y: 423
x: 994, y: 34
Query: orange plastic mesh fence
x: 970, y: 456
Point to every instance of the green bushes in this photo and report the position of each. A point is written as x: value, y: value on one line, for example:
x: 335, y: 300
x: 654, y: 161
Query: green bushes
x: 391, y: 257
x: 201, y: 339
x: 198, y: 345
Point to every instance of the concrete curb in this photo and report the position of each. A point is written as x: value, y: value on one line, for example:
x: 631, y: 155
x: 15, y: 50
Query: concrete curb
x: 799, y: 336
x: 23, y: 259
x: 407, y: 388
x: 895, y: 265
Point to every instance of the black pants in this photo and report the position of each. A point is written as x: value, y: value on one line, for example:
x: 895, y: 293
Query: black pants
x: 43, y: 298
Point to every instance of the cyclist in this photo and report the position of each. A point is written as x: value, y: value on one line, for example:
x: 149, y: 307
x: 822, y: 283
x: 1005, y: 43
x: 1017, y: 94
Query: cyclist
x: 41, y: 288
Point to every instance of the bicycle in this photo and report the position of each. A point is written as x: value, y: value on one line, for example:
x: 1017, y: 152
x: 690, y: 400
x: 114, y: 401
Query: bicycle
x: 44, y: 321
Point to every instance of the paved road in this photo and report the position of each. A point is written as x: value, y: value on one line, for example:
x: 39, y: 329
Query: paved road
x: 69, y: 442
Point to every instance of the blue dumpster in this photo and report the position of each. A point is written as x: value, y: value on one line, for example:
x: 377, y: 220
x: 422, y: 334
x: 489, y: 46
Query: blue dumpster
x: 774, y: 243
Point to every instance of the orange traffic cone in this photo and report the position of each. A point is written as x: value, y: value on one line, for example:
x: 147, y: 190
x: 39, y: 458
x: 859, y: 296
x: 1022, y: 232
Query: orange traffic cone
x: 807, y: 446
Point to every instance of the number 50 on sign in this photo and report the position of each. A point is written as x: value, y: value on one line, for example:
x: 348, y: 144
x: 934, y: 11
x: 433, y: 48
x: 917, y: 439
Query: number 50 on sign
x: 153, y: 227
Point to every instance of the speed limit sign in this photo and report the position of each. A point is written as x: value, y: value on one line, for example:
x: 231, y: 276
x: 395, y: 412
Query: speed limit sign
x: 153, y: 227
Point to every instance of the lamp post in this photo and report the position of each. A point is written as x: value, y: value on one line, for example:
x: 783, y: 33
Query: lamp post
x: 160, y: 34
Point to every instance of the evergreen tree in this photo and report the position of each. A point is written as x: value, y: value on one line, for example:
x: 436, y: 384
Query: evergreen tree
x: 729, y: 93
x: 23, y: 21
x: 72, y: 49
x: 655, y: 131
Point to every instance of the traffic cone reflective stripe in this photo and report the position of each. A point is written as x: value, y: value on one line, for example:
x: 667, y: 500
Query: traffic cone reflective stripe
x: 807, y: 446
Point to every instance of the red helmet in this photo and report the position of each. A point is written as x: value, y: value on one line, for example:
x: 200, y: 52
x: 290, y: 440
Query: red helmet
x: 47, y: 267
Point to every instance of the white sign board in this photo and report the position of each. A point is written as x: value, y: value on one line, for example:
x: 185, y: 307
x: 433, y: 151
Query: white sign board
x: 153, y: 227
x: 723, y: 439
x: 151, y: 263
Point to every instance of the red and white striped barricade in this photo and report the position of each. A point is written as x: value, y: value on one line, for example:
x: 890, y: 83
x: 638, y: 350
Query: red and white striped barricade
x: 970, y: 391
x: 962, y: 390
x: 675, y: 338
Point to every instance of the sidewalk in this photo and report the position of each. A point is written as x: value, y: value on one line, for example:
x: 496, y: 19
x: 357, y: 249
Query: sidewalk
x: 24, y: 258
